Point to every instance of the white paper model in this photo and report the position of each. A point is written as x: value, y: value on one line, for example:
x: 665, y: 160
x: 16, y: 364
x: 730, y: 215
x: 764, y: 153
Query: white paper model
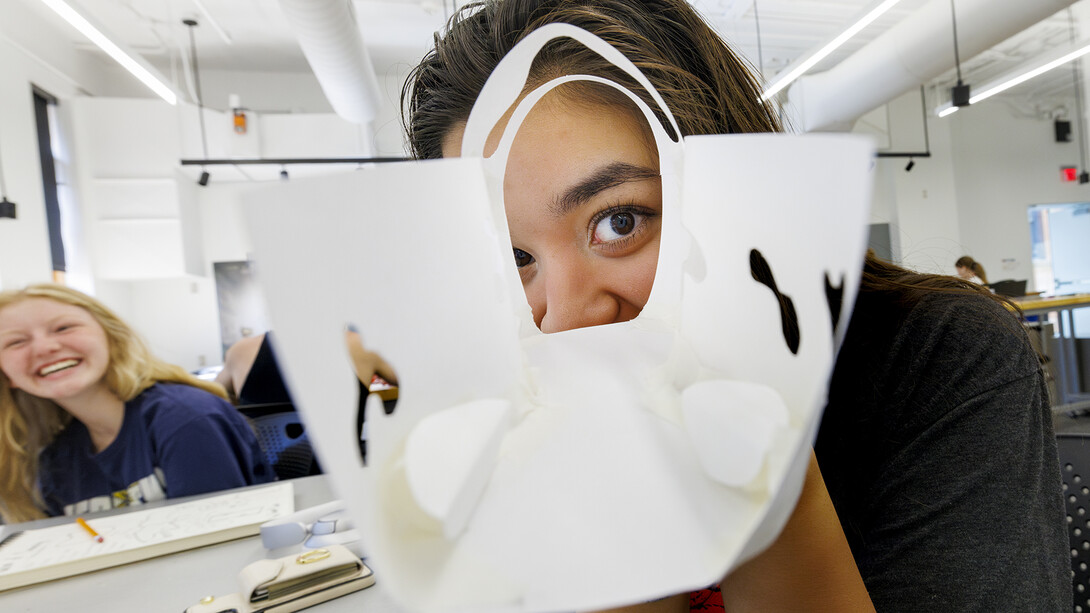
x: 597, y: 466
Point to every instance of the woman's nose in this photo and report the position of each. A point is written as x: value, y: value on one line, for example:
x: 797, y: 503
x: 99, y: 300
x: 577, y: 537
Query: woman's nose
x: 43, y: 345
x: 576, y: 297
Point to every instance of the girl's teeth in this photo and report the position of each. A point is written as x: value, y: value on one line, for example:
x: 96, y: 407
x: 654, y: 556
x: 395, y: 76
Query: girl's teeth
x: 52, y: 368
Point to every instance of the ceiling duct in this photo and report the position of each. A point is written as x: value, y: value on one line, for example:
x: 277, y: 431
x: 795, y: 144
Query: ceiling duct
x: 913, y: 52
x: 330, y: 37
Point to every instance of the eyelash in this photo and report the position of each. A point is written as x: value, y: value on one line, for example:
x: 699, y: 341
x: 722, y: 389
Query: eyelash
x: 614, y: 245
x: 620, y: 243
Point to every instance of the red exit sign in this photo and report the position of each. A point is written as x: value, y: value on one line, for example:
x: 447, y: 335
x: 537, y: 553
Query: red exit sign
x: 1069, y: 174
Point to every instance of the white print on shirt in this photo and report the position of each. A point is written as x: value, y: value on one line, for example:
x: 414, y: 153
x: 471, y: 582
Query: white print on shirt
x: 147, y: 489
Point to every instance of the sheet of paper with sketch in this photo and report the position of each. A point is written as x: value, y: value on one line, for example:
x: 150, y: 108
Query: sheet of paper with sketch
x: 530, y: 472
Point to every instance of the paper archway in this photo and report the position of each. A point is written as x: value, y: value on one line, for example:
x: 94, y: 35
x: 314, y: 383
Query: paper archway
x: 589, y: 468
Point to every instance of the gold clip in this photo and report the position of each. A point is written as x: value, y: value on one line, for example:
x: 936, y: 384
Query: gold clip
x: 207, y: 599
x: 309, y: 557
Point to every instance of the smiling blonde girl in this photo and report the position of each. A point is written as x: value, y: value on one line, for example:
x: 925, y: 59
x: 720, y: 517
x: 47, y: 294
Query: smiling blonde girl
x: 91, y: 420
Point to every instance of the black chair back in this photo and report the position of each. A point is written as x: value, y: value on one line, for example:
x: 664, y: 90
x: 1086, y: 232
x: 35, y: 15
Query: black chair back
x: 1074, y: 452
x: 283, y: 438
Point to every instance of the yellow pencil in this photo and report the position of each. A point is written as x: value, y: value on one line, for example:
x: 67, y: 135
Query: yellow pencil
x: 89, y: 529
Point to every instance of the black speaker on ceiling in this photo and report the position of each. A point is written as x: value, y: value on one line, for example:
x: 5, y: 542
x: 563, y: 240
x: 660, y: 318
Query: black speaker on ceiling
x: 1063, y: 131
x: 960, y: 94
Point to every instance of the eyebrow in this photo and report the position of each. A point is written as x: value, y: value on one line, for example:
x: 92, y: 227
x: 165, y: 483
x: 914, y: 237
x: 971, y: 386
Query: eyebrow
x: 606, y: 177
x: 51, y: 322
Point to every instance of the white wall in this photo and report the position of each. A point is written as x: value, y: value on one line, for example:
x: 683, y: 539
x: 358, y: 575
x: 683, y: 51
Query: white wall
x: 1004, y: 164
x: 151, y: 226
x: 923, y: 215
x: 177, y: 314
x: 179, y: 319
x: 988, y: 164
x: 27, y: 59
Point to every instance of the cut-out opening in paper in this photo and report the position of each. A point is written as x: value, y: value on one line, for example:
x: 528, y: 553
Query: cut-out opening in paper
x: 377, y: 378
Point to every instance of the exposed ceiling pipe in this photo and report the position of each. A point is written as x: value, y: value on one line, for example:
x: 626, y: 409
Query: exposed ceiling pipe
x: 913, y: 52
x: 330, y: 37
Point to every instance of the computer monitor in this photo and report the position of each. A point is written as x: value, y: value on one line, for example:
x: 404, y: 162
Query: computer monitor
x: 1009, y: 287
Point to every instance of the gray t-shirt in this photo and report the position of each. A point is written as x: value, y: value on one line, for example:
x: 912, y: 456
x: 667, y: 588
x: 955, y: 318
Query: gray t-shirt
x: 938, y: 451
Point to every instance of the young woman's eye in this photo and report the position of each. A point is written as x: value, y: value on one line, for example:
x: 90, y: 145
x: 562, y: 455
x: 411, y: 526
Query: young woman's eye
x: 522, y: 258
x: 617, y: 224
x: 11, y: 344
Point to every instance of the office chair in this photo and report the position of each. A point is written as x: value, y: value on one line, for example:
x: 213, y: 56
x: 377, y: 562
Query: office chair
x: 283, y: 438
x: 1074, y: 452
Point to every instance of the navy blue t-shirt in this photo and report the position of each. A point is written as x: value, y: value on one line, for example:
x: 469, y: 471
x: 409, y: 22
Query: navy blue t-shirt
x: 175, y: 440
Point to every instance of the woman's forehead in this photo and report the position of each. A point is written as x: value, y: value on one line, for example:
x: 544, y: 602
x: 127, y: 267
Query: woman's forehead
x: 40, y: 307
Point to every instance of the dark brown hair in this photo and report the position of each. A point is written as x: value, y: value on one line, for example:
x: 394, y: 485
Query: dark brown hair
x: 880, y: 275
x: 973, y: 265
x: 709, y: 89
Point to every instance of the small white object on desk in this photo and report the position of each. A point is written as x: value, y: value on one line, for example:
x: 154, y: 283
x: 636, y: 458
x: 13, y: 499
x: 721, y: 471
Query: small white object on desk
x: 318, y: 526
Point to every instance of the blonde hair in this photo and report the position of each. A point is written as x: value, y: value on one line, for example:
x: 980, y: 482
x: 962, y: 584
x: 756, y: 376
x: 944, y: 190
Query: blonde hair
x: 28, y: 423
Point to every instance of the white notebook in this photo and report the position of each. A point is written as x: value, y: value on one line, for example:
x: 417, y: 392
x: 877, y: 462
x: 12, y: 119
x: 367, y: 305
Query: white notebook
x: 34, y: 556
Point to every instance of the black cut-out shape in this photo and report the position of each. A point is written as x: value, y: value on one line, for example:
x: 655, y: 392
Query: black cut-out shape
x: 834, y: 296
x: 762, y: 273
x: 388, y: 406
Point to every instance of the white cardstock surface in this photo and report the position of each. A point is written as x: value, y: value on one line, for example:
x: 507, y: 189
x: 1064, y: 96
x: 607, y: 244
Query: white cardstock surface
x: 588, y: 468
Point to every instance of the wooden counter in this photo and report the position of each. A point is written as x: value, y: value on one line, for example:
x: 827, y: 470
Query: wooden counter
x: 1032, y: 305
x: 1066, y: 365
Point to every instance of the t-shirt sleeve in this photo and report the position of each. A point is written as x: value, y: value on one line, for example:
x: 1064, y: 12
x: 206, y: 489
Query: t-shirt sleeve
x: 206, y: 449
x: 966, y: 514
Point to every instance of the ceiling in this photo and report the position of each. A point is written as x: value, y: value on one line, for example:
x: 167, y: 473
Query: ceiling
x: 771, y: 33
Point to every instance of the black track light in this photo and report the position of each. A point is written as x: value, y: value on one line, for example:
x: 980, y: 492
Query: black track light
x: 960, y: 92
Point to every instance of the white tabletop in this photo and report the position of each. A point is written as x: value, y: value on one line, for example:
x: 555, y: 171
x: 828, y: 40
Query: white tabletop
x: 173, y: 582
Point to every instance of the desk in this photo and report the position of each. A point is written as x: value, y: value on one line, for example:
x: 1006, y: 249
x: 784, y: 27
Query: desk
x: 1066, y: 360
x: 173, y: 582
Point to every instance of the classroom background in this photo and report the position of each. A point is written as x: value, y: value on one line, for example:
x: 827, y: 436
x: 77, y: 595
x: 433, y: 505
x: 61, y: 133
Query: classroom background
x: 140, y: 232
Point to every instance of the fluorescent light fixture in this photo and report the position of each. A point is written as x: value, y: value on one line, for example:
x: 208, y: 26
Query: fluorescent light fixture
x: 1006, y: 83
x: 134, y: 65
x: 1024, y: 72
x: 949, y: 110
x: 212, y: 20
x: 799, y: 67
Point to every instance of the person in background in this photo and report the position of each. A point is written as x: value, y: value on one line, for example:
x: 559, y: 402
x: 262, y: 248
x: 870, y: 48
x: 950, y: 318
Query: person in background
x: 91, y: 420
x: 251, y: 373
x: 971, y: 270
x: 366, y: 363
x: 934, y: 485
x: 372, y: 372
